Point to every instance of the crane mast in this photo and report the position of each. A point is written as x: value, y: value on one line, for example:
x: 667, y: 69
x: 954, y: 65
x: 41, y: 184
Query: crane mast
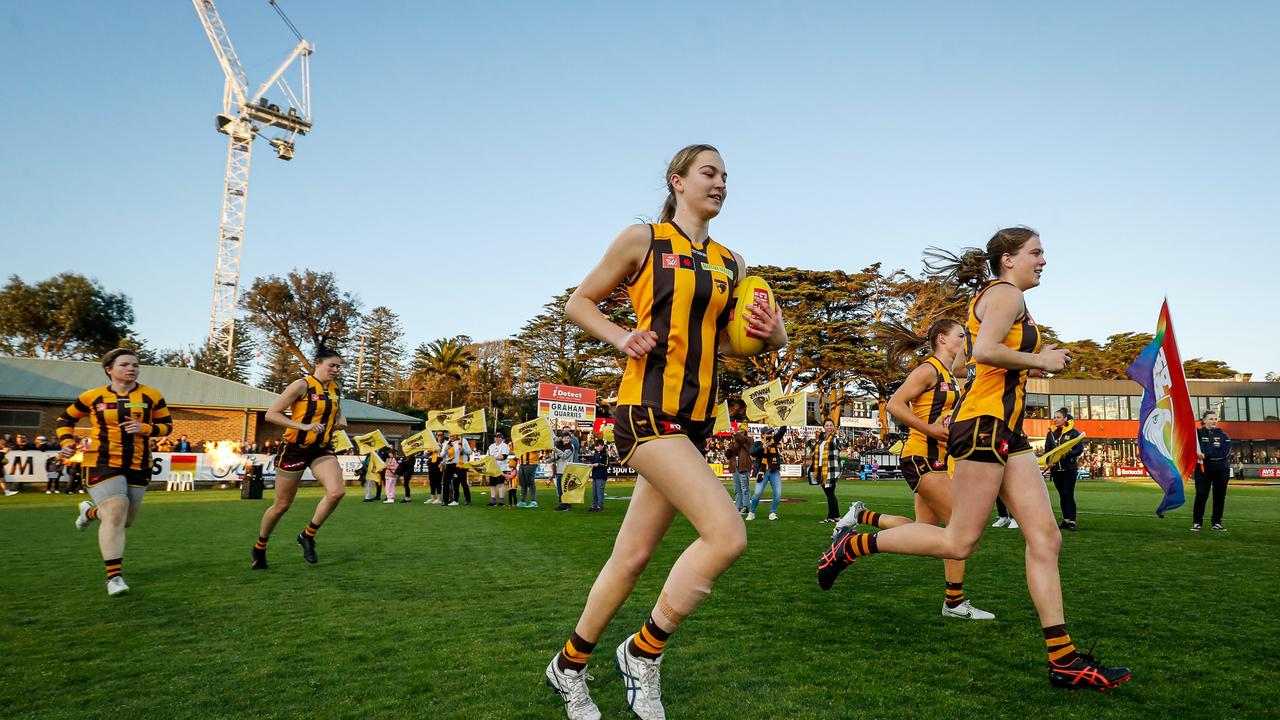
x: 243, y: 119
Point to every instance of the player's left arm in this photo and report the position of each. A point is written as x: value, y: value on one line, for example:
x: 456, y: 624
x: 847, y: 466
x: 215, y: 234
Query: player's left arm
x: 764, y: 322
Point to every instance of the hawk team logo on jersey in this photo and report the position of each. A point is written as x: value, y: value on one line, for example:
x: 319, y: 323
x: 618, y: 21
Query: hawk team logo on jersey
x: 722, y: 286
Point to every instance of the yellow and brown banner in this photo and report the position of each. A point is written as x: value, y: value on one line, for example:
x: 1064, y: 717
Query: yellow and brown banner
x: 341, y: 441
x: 437, y: 418
x: 376, y: 466
x: 486, y: 465
x: 370, y: 442
x: 424, y: 441
x: 788, y: 410
x: 470, y: 424
x: 722, y: 419
x: 530, y: 436
x: 757, y: 397
x: 573, y: 485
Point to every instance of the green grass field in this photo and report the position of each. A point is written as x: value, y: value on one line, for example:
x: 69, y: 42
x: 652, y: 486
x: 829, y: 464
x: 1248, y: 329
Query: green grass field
x: 425, y: 612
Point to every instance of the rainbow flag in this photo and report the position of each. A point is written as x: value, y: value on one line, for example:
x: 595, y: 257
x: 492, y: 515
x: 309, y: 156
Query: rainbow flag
x: 1166, y: 425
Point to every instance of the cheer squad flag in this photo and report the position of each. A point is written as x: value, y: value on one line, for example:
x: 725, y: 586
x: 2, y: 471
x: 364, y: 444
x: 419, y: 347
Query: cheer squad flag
x: 1166, y: 423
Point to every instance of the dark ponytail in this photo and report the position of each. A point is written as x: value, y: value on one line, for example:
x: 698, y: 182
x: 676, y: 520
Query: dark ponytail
x: 973, y: 267
x: 902, y: 341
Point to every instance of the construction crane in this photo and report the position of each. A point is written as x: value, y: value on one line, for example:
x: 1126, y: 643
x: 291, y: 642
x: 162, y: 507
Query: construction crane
x: 244, y: 117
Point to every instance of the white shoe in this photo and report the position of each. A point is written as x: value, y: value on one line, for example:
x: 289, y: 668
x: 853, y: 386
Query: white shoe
x: 10, y: 493
x: 389, y: 501
x: 849, y: 519
x: 1001, y: 522
x: 116, y: 587
x: 572, y: 686
x: 452, y: 504
x: 83, y: 521
x: 966, y: 611
x: 643, y: 680
x: 751, y: 516
x: 1013, y: 523
x: 773, y: 516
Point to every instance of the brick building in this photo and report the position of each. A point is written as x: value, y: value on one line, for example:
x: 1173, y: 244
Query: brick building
x: 33, y: 392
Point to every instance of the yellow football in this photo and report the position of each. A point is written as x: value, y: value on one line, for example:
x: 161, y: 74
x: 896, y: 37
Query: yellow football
x: 749, y: 289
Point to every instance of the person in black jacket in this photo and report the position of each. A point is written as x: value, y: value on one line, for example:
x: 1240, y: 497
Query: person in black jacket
x: 1212, y: 472
x: 599, y: 474
x: 404, y: 471
x: 1063, y: 473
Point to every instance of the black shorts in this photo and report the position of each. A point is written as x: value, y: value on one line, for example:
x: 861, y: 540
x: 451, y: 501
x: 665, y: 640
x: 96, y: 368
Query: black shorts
x: 134, y: 478
x: 915, y: 467
x: 296, y: 458
x: 636, y: 424
x: 985, y: 438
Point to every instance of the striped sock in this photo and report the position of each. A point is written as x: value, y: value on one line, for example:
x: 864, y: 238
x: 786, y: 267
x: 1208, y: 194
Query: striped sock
x: 311, y: 529
x: 114, y: 567
x: 92, y: 513
x: 955, y: 594
x: 869, y: 517
x: 261, y: 544
x: 859, y: 544
x: 1058, y: 643
x: 649, y: 642
x: 575, y: 654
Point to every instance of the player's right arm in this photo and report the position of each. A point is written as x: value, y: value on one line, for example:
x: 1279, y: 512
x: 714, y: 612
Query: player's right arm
x: 275, y: 414
x: 916, y: 384
x: 623, y: 259
x: 1000, y: 307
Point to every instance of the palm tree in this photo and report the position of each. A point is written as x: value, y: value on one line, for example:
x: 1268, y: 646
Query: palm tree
x: 443, y: 358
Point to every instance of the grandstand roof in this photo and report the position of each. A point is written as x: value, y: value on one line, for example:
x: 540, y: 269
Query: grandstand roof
x: 63, y: 380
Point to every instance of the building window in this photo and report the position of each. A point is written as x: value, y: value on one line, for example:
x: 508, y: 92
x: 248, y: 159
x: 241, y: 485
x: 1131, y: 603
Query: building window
x: 1038, y: 406
x: 1111, y: 407
x: 20, y: 418
x: 1271, y: 409
x: 1231, y: 409
x: 1135, y: 407
x: 1081, y: 407
x: 1255, y: 409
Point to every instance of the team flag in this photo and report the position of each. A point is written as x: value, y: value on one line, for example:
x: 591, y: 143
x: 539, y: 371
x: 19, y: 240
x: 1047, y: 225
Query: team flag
x: 756, y: 397
x: 437, y: 418
x: 341, y: 441
x: 573, y: 485
x: 1166, y: 424
x: 470, y: 424
x: 789, y: 410
x: 1053, y: 456
x: 419, y: 442
x: 486, y: 465
x: 370, y: 442
x: 530, y: 436
x: 722, y: 419
x: 376, y: 466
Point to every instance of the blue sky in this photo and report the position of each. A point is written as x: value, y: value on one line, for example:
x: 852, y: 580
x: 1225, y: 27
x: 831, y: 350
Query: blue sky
x: 471, y: 159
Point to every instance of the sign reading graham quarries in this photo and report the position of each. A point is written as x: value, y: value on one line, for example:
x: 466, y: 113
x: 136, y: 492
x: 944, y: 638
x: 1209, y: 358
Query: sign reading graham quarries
x: 566, y: 402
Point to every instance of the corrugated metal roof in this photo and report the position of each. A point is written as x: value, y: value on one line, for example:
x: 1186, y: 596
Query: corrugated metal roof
x: 62, y: 380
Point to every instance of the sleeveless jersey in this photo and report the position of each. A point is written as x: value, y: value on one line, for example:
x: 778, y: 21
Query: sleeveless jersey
x: 992, y: 390
x: 682, y: 293
x: 109, y: 445
x: 319, y: 404
x: 931, y: 406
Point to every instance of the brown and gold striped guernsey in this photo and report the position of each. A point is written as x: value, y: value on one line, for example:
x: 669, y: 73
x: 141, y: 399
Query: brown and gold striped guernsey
x: 932, y: 405
x: 681, y: 292
x: 319, y: 404
x: 109, y: 446
x: 992, y: 390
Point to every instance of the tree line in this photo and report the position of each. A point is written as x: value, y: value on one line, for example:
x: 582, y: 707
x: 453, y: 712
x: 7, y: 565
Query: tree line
x: 839, y: 323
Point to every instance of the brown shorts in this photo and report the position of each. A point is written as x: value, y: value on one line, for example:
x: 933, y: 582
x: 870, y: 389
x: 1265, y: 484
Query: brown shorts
x: 296, y: 458
x: 134, y: 478
x: 636, y: 424
x: 915, y: 467
x: 985, y: 438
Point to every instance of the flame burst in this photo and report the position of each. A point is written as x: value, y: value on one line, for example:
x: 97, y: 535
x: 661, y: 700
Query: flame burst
x: 224, y: 455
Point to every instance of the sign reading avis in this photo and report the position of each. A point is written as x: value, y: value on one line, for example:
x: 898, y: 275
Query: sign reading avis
x: 565, y: 402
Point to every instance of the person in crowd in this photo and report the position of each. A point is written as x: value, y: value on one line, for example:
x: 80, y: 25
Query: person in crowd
x: 498, y: 450
x: 992, y: 454
x: 123, y: 415
x: 389, y: 476
x: 599, y: 475
x: 561, y: 455
x: 826, y: 465
x: 1212, y: 472
x: 372, y: 480
x: 75, y: 483
x: 509, y: 474
x: 455, y: 472
x: 315, y: 413
x: 740, y: 466
x: 183, y: 445
x: 665, y: 407
x: 576, y: 444
x: 165, y: 445
x: 53, y: 474
x: 923, y: 404
x: 1003, y: 518
x: 4, y: 486
x: 404, y: 472
x: 22, y: 442
x: 435, y: 471
x: 771, y: 467
x: 1063, y: 472
x: 526, y: 471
